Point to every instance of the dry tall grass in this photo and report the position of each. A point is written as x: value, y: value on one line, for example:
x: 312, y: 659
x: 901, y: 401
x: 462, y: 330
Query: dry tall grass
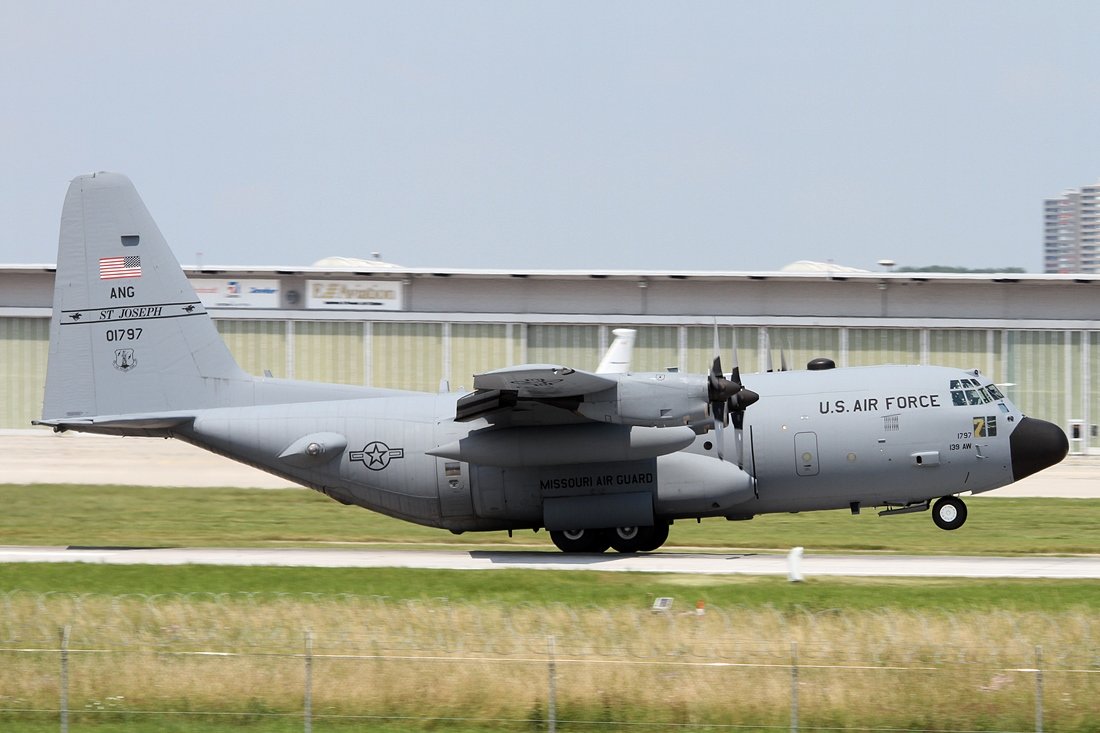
x: 438, y: 659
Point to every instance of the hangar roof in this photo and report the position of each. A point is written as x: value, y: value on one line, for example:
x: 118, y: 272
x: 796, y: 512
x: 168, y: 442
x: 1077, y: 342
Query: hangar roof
x: 396, y: 271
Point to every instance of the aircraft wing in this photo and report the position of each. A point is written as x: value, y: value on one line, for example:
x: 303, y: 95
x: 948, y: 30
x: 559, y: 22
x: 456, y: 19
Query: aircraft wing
x: 532, y: 394
x: 543, y: 381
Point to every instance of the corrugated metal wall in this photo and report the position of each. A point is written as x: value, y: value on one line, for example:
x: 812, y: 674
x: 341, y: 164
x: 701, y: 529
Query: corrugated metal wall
x: 24, y: 346
x: 1049, y: 374
x: 257, y: 345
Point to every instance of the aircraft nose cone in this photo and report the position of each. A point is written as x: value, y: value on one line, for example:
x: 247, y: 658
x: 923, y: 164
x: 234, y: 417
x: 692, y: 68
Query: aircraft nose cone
x: 1035, y: 445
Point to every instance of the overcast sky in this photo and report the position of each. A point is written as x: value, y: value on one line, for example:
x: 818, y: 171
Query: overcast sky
x: 576, y: 135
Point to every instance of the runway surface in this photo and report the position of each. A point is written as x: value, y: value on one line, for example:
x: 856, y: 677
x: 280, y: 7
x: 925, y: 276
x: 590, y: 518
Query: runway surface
x: 661, y: 562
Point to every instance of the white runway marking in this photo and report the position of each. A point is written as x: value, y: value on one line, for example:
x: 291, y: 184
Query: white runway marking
x: 662, y: 562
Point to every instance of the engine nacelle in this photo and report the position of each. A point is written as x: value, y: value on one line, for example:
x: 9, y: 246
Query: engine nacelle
x: 655, y: 399
x: 693, y: 485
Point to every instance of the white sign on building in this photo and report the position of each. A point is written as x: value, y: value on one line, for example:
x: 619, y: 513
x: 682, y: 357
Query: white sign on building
x: 374, y: 295
x: 237, y: 293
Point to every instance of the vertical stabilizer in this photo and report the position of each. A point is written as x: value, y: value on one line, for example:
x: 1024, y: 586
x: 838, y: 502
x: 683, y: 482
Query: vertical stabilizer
x: 128, y: 334
x: 617, y: 358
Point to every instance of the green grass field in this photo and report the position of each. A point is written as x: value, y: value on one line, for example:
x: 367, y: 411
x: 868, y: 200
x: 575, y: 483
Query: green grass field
x: 134, y: 516
x: 548, y: 587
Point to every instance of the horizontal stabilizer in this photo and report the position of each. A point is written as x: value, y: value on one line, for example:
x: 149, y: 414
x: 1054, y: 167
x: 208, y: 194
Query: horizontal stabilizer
x: 119, y: 424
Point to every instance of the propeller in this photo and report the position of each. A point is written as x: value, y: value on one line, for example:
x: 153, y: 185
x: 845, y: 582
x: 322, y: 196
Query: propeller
x: 728, y: 399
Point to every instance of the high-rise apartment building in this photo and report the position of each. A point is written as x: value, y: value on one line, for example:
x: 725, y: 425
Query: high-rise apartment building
x: 1071, y: 231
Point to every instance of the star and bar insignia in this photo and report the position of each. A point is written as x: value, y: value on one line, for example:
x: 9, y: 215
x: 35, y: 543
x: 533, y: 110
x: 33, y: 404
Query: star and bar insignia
x: 376, y: 455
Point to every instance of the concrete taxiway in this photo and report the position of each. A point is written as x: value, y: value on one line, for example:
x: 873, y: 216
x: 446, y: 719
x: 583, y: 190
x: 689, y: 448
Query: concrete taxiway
x: 662, y: 562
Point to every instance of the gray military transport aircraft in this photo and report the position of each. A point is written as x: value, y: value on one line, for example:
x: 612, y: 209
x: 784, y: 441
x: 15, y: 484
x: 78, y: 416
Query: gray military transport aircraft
x: 600, y: 459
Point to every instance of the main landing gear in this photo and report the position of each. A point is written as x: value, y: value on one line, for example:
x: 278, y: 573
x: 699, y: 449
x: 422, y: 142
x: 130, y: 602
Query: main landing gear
x: 623, y: 539
x: 949, y: 512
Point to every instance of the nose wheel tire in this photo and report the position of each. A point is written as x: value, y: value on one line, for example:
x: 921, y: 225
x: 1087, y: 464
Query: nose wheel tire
x: 949, y: 512
x: 581, y: 540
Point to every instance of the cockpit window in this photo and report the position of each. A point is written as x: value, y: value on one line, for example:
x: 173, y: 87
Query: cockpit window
x: 971, y: 392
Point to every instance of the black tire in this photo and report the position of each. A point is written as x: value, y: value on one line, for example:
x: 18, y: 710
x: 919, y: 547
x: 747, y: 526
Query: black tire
x: 657, y: 538
x: 581, y: 540
x: 949, y: 513
x: 627, y: 539
x: 638, y: 539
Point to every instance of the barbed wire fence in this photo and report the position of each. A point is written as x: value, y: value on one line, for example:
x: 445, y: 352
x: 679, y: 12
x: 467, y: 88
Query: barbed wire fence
x: 362, y: 658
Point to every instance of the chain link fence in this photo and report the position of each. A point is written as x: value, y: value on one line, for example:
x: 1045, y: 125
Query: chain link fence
x: 311, y: 662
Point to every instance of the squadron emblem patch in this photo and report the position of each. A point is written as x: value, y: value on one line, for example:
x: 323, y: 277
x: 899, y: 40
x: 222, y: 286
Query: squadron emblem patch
x: 124, y: 360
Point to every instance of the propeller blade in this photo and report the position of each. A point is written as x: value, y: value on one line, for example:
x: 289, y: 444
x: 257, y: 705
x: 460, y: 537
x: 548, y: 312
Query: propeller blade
x: 735, y: 373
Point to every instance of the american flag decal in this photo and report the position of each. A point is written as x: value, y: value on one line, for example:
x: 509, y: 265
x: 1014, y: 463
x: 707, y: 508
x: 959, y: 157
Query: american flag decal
x: 114, y: 268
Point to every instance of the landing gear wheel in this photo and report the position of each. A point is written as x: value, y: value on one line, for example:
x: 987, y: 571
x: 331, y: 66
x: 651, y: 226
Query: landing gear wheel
x: 657, y: 538
x: 949, y: 512
x: 638, y: 539
x: 627, y: 539
x: 581, y: 540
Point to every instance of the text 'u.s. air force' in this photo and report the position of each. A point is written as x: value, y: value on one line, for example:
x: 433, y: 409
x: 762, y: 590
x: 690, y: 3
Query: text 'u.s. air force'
x: 875, y: 404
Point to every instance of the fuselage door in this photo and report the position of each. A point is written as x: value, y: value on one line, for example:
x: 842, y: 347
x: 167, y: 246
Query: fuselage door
x: 454, y: 488
x: 805, y: 454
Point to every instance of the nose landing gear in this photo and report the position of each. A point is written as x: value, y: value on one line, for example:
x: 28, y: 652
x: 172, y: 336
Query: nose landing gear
x: 949, y: 512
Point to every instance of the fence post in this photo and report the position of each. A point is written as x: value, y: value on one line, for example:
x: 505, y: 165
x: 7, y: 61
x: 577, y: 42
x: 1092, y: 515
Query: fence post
x: 309, y: 682
x: 64, y: 702
x: 1038, y: 689
x: 794, y: 687
x: 552, y: 696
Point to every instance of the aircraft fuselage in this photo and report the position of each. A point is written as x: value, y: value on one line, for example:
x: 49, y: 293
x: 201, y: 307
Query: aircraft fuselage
x: 868, y: 436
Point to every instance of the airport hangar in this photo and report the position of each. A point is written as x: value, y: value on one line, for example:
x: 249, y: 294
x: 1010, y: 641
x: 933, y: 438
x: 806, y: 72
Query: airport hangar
x: 368, y: 322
